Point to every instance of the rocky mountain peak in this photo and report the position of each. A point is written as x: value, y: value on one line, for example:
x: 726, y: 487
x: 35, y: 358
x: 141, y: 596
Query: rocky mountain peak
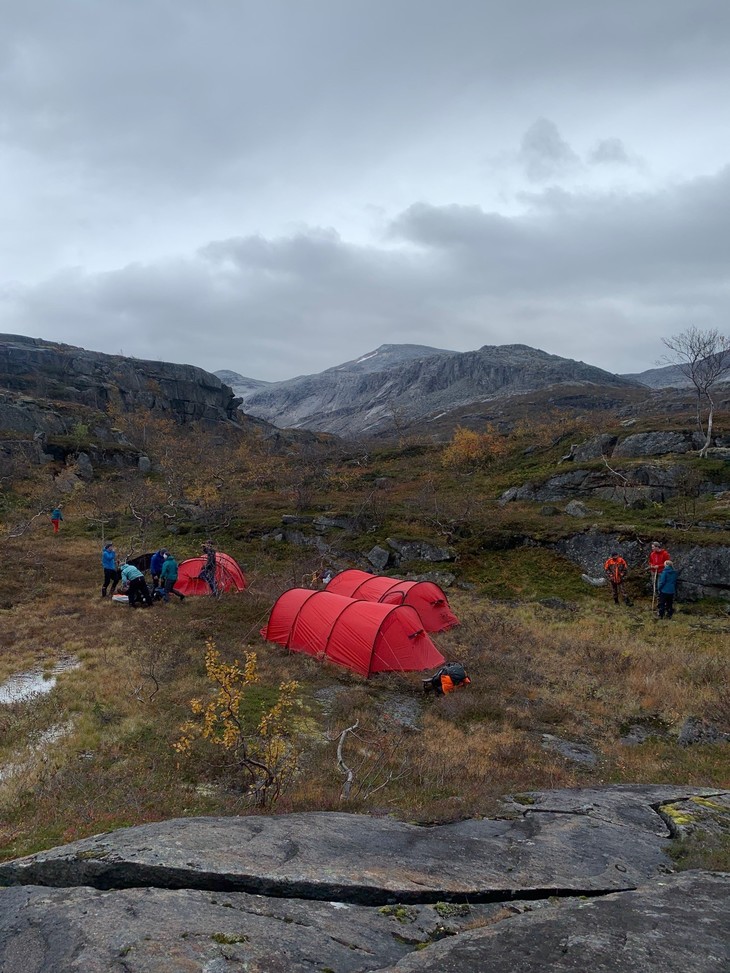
x: 412, y: 382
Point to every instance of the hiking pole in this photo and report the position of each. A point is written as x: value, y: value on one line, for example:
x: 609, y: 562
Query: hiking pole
x: 653, y: 590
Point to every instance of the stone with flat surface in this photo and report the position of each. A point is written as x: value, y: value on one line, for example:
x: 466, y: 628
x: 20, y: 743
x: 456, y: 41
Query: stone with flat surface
x: 677, y: 924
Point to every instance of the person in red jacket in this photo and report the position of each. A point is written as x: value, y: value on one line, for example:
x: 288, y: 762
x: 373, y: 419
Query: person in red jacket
x: 658, y: 557
x: 616, y: 570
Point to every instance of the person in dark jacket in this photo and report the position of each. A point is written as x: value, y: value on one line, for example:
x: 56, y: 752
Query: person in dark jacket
x: 208, y: 574
x: 667, y: 588
x: 56, y: 518
x: 168, y: 578
x: 112, y: 574
x: 156, y: 562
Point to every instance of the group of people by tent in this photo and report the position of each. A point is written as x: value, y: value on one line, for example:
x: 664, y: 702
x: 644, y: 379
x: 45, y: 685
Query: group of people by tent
x: 662, y: 573
x: 211, y: 573
x: 361, y: 621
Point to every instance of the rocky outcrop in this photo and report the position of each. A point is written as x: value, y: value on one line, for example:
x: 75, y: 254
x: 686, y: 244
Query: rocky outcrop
x: 576, y: 871
x: 634, y: 485
x: 595, y: 448
x: 419, y: 550
x: 657, y: 444
x: 641, y: 444
x: 41, y: 371
x: 402, y: 383
x: 704, y: 572
x: 400, y: 550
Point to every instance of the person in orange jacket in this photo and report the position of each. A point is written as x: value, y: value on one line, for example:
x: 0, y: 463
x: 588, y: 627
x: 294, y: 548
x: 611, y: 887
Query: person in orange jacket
x: 616, y: 570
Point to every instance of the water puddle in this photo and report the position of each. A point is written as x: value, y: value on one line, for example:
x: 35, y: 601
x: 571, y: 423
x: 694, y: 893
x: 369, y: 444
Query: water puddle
x: 34, y: 682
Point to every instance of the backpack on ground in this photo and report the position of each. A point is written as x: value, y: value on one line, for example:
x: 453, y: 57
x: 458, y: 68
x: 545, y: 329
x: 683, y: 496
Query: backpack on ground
x: 455, y: 672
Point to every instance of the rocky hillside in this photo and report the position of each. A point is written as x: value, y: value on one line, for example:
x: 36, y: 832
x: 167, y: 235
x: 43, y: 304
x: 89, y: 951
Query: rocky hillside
x: 669, y: 376
x: 62, y: 403
x: 34, y: 372
x: 402, y: 384
x: 242, y: 387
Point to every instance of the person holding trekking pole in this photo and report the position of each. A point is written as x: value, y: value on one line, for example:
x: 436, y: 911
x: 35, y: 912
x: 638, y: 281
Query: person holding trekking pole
x: 658, y: 557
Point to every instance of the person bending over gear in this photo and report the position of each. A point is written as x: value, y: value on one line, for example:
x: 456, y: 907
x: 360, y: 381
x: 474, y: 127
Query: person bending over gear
x: 616, y: 570
x: 667, y: 588
x: 447, y: 679
x: 137, y: 590
x: 168, y: 579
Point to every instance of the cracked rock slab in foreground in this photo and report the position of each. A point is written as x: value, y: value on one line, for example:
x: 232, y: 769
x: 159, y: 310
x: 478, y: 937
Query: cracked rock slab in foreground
x: 558, y: 845
x: 575, y: 880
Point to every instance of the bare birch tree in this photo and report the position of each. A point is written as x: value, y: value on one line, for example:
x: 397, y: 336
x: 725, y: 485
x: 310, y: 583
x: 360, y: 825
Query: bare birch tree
x: 704, y: 358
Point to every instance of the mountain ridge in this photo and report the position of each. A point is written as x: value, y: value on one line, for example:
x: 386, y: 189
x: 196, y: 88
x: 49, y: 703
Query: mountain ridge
x: 409, y: 383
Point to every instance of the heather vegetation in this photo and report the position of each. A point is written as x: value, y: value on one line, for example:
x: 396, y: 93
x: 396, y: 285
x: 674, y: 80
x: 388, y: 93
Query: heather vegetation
x: 175, y: 710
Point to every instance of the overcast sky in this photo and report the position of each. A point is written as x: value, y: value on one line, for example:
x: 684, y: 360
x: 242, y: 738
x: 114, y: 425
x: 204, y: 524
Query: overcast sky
x: 279, y: 186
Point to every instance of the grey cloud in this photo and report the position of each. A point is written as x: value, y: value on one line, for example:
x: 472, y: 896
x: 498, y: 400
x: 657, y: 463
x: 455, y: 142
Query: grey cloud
x: 597, y: 277
x: 613, y: 152
x: 145, y: 127
x: 588, y: 243
x: 609, y: 151
x: 181, y: 92
x: 544, y: 153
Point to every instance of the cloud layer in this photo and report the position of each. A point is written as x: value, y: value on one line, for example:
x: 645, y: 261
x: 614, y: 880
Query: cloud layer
x: 279, y: 187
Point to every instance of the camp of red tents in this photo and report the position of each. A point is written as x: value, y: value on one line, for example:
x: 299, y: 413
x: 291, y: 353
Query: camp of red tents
x: 426, y: 597
x: 365, y: 636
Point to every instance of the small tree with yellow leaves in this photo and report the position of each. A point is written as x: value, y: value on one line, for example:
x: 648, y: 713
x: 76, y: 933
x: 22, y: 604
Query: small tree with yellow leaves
x: 264, y: 754
x: 469, y: 450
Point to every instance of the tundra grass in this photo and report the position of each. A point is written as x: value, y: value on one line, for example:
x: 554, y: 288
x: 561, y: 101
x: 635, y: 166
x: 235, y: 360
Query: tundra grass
x: 584, y: 672
x: 582, y: 675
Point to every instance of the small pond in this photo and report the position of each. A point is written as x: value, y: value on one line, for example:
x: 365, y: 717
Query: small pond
x: 34, y: 682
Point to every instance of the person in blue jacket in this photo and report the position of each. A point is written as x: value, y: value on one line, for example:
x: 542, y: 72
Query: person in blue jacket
x: 667, y: 588
x: 112, y: 575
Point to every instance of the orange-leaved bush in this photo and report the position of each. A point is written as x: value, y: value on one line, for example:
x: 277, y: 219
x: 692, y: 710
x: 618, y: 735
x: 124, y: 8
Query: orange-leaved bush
x: 470, y: 449
x: 263, y: 753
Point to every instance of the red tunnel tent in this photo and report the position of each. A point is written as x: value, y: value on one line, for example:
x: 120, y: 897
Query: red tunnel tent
x: 228, y: 575
x: 426, y: 597
x: 360, y: 635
